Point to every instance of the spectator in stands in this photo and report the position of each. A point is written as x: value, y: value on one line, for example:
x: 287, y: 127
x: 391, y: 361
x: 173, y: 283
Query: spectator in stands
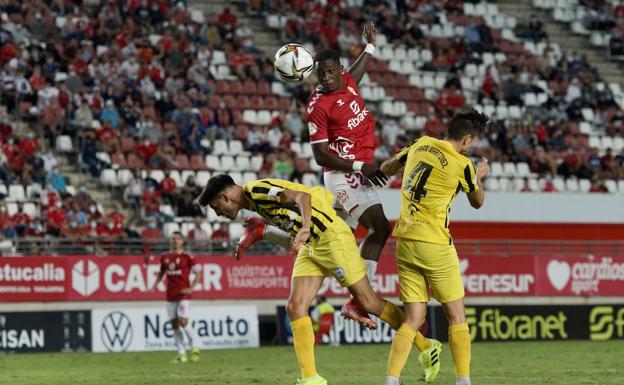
x: 49, y: 160
x: 134, y: 191
x: 56, y: 217
x: 151, y: 232
x: 57, y: 181
x: 283, y: 167
x: 83, y: 199
x: 534, y: 29
x: 35, y: 230
x: 597, y: 186
x: 526, y: 187
x: 20, y: 220
x: 197, y: 233
x: 221, y: 232
x: 168, y: 189
x: 150, y: 201
x: 224, y: 122
x: 7, y: 228
x: 294, y: 123
x: 5, y: 172
x: 78, y: 215
x: 257, y: 141
x: 187, y: 194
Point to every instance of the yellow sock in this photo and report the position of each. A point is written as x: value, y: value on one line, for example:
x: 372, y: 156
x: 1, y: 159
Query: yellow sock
x: 401, y: 347
x: 395, y: 317
x: 303, y: 336
x: 459, y: 340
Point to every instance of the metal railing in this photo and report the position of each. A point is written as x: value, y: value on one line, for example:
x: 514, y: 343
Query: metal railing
x: 134, y: 246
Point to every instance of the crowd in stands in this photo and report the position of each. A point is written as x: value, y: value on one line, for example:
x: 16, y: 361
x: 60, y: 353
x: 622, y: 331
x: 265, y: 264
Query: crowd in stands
x: 135, y: 81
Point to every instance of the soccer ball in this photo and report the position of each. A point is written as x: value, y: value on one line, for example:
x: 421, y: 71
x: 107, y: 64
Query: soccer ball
x: 293, y: 63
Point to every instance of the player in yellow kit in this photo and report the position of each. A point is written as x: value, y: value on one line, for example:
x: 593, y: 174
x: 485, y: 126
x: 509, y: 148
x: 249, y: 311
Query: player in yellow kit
x: 435, y: 171
x: 324, y: 245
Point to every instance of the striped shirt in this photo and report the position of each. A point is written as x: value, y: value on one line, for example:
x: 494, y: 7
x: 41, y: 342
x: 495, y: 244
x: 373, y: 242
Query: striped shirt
x: 264, y: 198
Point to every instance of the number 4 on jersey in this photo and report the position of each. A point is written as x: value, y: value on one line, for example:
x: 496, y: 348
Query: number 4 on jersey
x: 416, y: 181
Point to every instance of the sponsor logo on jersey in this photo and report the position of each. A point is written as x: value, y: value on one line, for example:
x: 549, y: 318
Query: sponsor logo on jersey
x: 340, y: 102
x: 358, y: 119
x: 312, y: 128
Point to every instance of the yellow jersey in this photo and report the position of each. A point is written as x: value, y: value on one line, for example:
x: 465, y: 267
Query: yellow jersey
x: 434, y: 174
x: 264, y: 198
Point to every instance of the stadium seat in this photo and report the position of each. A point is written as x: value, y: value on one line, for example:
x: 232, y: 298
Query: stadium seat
x: 103, y: 157
x: 310, y: 179
x: 64, y: 143
x: 256, y: 163
x: 295, y: 147
x: 491, y: 184
x: 220, y: 147
x: 16, y: 193
x: 11, y: 208
x: 236, y: 147
x: 306, y: 150
x: 227, y: 163
x: 572, y: 185
x: 314, y: 166
x: 595, y: 142
x: 585, y: 185
x: 504, y: 184
x: 175, y: 175
x: 184, y: 175
x: 559, y: 184
x: 182, y: 161
x: 263, y: 118
x: 31, y: 209
x: 249, y: 176
x: 213, y: 162
x: 237, y: 176
x: 250, y: 117
x: 71, y: 190
x: 496, y: 169
x: 185, y: 227
x: 167, y: 210
x: 522, y: 169
x: 607, y: 142
x: 108, y: 177
x: 157, y: 175
x: 3, y: 190
x: 201, y: 178
x: 509, y: 169
x: 197, y: 162
x: 124, y: 176
x: 169, y: 228
x: 242, y: 163
x: 611, y: 185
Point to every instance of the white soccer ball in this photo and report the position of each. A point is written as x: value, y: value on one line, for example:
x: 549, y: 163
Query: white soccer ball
x: 293, y: 63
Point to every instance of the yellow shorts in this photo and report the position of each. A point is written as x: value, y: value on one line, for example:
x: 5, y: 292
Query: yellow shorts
x: 335, y: 253
x: 422, y: 265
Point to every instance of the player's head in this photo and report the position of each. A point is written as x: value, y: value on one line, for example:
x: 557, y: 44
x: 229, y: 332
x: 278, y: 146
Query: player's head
x: 329, y: 70
x: 177, y: 241
x: 465, y: 128
x: 222, y: 194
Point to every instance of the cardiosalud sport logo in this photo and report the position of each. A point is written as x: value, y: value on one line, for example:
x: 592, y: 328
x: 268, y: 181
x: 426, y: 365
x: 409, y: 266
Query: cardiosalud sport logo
x: 85, y: 277
x: 584, y: 276
x: 116, y: 332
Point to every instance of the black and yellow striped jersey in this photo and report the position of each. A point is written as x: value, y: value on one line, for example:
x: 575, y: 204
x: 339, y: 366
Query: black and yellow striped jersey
x: 264, y: 198
x: 434, y: 174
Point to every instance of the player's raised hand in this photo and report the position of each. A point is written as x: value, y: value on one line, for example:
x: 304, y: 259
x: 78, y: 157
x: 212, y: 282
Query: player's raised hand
x: 483, y: 168
x: 374, y: 175
x: 370, y: 33
x: 300, y: 239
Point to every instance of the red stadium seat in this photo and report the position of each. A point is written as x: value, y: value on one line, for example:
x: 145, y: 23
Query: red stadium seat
x: 264, y: 88
x: 182, y: 162
x: 238, y: 116
x: 230, y: 102
x: 197, y: 163
x: 270, y: 103
x: 250, y: 87
x: 236, y: 87
x: 222, y: 87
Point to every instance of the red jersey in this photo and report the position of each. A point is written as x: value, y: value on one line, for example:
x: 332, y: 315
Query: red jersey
x: 177, y: 268
x: 341, y: 118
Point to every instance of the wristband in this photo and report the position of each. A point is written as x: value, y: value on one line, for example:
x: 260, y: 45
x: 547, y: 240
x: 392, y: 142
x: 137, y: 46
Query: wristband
x: 369, y: 48
x: 357, y: 165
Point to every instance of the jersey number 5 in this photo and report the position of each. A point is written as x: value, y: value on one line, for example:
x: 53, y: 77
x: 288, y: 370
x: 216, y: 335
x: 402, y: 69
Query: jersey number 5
x: 417, y: 179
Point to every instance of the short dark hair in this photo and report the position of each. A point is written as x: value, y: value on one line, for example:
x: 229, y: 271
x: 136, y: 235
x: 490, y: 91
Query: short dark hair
x: 327, y: 54
x: 177, y: 233
x: 214, y: 187
x: 468, y: 122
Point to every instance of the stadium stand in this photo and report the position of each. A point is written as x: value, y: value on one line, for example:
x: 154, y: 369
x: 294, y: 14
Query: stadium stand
x: 149, y: 102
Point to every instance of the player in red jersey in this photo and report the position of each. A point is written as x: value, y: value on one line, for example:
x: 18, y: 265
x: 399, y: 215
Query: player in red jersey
x: 178, y: 265
x: 342, y: 134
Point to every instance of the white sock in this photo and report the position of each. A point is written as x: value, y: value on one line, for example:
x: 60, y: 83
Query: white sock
x: 390, y: 380
x: 277, y: 236
x: 462, y: 381
x: 371, y: 268
x: 190, y: 334
x: 178, y: 336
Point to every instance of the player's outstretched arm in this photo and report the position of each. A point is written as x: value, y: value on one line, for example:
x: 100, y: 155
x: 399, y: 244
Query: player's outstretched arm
x: 159, y: 278
x: 358, y: 69
x: 477, y: 197
x: 303, y: 200
x: 391, y: 166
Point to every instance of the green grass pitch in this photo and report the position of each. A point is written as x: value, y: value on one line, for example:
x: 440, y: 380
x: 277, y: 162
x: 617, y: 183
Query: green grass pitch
x: 515, y: 363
